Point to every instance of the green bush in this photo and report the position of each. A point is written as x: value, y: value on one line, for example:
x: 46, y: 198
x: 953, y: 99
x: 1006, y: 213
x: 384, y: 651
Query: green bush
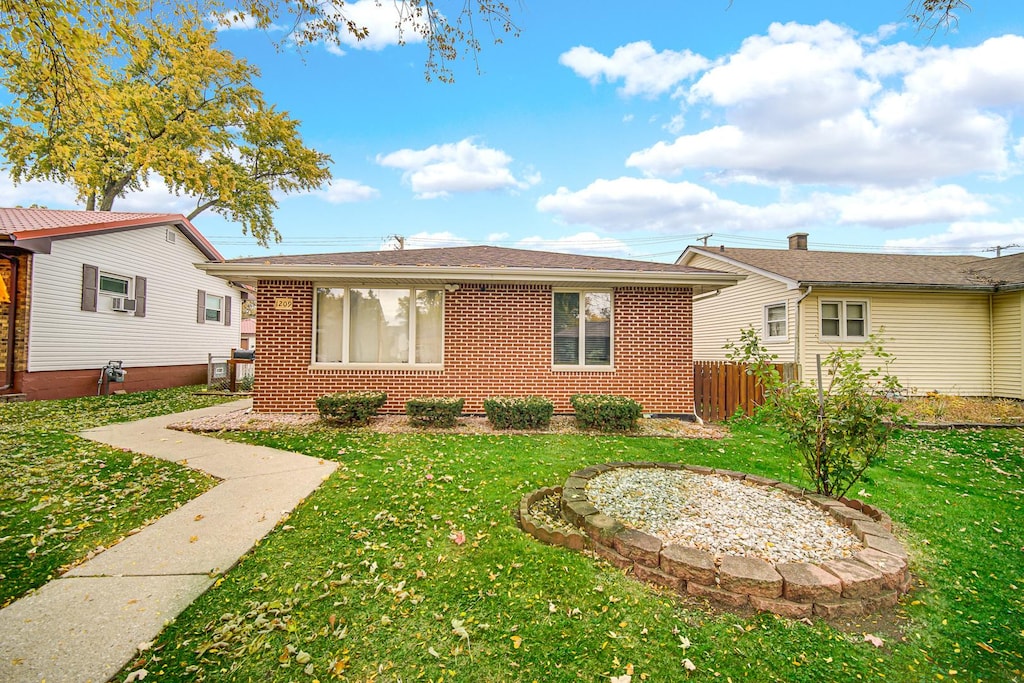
x: 350, y: 408
x: 508, y: 412
x: 434, y: 412
x: 606, y: 413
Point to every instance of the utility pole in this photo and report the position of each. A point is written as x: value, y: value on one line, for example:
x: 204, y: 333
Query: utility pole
x: 999, y: 248
x: 399, y: 242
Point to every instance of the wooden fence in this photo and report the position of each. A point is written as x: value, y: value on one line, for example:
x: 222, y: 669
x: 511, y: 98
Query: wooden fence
x: 721, y: 388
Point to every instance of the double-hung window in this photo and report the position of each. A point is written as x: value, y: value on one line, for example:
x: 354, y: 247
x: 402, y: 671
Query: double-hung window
x: 378, y: 326
x: 775, y: 323
x: 844, y: 319
x: 582, y: 329
x: 214, y: 308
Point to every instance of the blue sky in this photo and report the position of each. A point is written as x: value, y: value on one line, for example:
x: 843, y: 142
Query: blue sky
x: 633, y: 133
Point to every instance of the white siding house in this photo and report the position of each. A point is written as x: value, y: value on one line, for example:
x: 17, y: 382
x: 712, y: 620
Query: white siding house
x: 953, y: 323
x: 112, y: 286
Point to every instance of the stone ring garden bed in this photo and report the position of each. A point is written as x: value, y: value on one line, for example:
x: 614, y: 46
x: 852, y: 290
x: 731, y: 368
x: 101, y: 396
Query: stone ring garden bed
x: 869, y: 578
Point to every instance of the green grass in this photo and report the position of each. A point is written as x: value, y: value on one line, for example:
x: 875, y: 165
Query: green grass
x: 63, y: 496
x: 364, y: 581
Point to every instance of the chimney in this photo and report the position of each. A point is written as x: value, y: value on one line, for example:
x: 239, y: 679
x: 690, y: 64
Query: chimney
x: 798, y: 240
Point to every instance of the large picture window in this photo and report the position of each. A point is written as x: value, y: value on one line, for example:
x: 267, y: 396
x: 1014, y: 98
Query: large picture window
x: 844, y: 319
x: 378, y: 326
x: 582, y: 329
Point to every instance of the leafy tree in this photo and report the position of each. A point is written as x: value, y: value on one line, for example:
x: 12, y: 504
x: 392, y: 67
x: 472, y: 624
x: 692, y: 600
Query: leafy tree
x: 174, y: 105
x: 840, y: 426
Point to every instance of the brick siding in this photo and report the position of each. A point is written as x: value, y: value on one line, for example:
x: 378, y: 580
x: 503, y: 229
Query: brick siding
x: 497, y: 342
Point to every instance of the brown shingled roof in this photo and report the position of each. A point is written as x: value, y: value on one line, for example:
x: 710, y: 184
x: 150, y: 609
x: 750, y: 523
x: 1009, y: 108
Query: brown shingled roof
x: 851, y: 268
x: 470, y: 257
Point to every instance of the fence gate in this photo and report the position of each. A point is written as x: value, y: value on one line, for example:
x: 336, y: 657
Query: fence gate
x: 721, y: 388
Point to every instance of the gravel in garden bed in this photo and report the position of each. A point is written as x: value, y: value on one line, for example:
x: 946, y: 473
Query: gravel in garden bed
x: 721, y: 515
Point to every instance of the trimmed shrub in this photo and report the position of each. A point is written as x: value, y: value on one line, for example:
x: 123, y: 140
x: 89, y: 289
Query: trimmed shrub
x: 434, y: 412
x: 606, y: 413
x: 351, y: 407
x: 509, y: 412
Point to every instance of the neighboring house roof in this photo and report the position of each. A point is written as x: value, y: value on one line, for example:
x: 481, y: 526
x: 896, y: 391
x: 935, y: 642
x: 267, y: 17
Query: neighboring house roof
x: 33, y: 229
x: 249, y: 326
x: 470, y: 264
x: 803, y: 267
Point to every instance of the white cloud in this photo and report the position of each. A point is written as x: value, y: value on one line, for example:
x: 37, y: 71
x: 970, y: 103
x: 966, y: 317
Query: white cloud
x: 654, y: 204
x: 642, y: 70
x: 343, y: 191
x: 497, y: 237
x: 817, y: 104
x: 386, y: 23
x: 427, y: 240
x: 42, y: 192
x: 900, y: 208
x: 464, y: 166
x: 966, y: 236
x: 580, y: 243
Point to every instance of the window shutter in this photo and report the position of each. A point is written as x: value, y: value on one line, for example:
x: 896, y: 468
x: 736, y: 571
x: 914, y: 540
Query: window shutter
x: 201, y: 307
x: 90, y: 286
x: 227, y: 310
x: 140, y: 296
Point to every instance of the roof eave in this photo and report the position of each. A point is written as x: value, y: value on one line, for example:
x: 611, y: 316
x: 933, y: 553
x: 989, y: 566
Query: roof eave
x: 251, y: 273
x: 896, y: 285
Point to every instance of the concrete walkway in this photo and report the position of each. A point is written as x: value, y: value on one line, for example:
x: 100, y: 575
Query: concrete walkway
x: 87, y: 624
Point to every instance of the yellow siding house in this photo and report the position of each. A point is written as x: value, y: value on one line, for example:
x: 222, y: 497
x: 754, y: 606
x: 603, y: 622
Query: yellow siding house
x: 954, y: 323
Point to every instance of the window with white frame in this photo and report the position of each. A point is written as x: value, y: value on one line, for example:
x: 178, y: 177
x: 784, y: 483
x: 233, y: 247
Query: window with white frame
x: 844, y: 319
x: 582, y: 329
x: 378, y: 326
x: 214, y: 308
x: 775, y: 323
x: 115, y: 285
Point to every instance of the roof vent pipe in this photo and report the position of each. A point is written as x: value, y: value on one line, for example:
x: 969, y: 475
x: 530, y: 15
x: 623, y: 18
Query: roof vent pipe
x: 798, y: 240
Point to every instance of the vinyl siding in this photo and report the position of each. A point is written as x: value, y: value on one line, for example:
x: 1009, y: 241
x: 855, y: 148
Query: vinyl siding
x: 719, y: 318
x: 1008, y: 336
x: 940, y: 339
x: 64, y: 337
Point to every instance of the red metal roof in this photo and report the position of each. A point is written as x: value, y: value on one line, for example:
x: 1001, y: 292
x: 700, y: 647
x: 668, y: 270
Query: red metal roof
x: 25, y: 224
x: 248, y: 325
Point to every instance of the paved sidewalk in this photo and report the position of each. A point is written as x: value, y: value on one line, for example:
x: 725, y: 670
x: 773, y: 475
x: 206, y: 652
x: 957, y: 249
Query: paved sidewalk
x: 87, y: 624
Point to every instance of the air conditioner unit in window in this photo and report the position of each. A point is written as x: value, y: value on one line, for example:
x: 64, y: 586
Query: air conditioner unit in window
x: 125, y: 305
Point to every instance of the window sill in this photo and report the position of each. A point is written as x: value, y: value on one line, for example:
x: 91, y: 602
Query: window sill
x: 842, y: 339
x: 776, y: 340
x: 583, y: 368
x: 433, y: 367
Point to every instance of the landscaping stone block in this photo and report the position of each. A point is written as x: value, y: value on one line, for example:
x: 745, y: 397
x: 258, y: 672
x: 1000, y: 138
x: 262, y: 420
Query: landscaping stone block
x: 763, y: 481
x: 848, y: 515
x: 698, y: 469
x: 852, y: 503
x: 573, y: 495
x: 606, y: 553
x: 859, y: 528
x: 670, y: 465
x: 805, y: 582
x: 576, y: 511
x: 717, y: 595
x: 602, y: 528
x: 732, y: 474
x: 575, y: 483
x: 687, y: 563
x: 638, y: 546
x: 859, y: 580
x: 885, y: 544
x: 575, y: 541
x: 885, y: 521
x: 884, y: 601
x: 791, y: 490
x: 659, y: 578
x: 892, y: 568
x: 784, y: 608
x: 750, y: 576
x: 840, y: 609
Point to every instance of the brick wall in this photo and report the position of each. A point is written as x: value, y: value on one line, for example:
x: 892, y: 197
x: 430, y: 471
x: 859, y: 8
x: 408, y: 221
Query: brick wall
x: 22, y: 303
x: 497, y: 341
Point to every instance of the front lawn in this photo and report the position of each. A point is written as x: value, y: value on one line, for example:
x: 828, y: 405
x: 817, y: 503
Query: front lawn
x: 63, y: 496
x: 407, y: 565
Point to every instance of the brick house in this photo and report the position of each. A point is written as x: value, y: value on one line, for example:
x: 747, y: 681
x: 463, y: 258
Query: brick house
x: 472, y: 322
x: 81, y: 288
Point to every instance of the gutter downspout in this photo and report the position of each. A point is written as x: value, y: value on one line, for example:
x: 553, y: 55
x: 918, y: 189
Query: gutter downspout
x: 796, y: 347
x: 12, y: 313
x: 991, y: 350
